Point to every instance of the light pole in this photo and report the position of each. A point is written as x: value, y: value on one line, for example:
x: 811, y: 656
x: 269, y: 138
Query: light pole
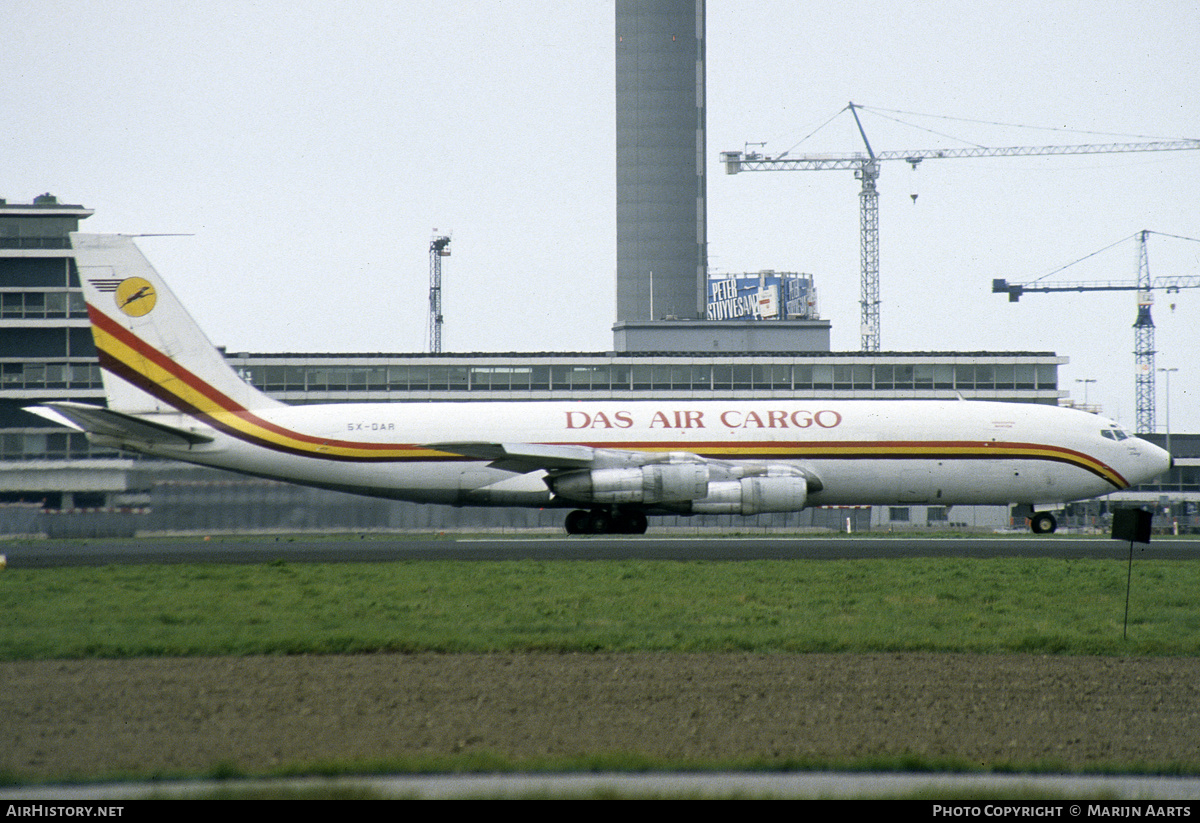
x: 1085, y: 381
x: 1167, y: 372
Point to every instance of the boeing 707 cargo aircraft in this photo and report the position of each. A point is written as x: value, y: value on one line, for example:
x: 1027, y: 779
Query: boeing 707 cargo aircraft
x: 613, y: 463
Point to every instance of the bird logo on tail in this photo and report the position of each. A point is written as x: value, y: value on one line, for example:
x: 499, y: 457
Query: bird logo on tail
x: 135, y: 297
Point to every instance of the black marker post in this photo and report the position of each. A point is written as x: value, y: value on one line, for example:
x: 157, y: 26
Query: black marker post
x: 1132, y: 525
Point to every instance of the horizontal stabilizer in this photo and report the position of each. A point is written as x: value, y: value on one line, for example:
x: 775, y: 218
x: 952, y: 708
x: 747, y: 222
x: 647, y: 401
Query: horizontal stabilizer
x: 108, y: 423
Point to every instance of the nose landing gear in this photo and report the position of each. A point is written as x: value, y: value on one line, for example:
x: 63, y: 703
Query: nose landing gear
x: 599, y: 521
x: 1042, y: 523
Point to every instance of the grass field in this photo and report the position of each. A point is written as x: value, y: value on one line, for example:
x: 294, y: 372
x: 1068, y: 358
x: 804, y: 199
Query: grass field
x: 984, y: 606
x: 949, y: 605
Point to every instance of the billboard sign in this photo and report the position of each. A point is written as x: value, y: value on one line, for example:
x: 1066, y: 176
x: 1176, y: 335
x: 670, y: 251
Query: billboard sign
x: 762, y: 296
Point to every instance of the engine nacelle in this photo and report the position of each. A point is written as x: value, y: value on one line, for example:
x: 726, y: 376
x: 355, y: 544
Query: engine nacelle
x: 784, y: 489
x: 656, y: 483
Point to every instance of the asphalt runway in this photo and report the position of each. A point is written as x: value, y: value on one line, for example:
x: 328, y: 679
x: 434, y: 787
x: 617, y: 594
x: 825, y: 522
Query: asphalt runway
x: 33, y: 554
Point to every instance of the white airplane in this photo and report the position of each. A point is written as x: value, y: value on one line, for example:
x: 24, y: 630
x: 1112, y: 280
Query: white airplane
x: 171, y: 394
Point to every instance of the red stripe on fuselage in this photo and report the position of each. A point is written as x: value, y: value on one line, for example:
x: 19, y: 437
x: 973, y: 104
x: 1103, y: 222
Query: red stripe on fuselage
x: 219, y: 398
x: 726, y: 450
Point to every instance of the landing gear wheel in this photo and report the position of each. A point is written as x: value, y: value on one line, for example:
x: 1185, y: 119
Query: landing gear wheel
x: 630, y: 523
x: 598, y: 522
x: 1043, y: 523
x: 576, y: 522
x: 601, y: 522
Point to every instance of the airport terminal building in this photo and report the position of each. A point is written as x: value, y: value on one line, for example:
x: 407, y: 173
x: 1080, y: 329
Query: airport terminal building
x: 46, y: 353
x: 679, y: 333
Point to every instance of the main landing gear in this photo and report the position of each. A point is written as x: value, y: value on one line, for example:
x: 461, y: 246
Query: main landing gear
x: 599, y: 521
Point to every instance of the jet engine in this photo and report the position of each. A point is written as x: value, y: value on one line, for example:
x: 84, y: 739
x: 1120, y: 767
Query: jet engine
x: 781, y: 489
x: 684, y: 483
x: 655, y: 483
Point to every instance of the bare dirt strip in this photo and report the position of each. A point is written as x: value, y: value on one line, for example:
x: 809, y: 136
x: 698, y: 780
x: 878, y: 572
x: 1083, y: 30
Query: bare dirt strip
x: 94, y: 717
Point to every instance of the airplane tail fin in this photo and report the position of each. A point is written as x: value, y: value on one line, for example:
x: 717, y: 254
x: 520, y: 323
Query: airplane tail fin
x: 153, y: 355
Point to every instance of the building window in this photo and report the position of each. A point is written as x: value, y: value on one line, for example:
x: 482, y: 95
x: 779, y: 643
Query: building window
x: 41, y: 305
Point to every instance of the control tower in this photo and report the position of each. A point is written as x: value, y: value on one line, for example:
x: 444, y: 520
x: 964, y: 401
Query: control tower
x: 661, y: 214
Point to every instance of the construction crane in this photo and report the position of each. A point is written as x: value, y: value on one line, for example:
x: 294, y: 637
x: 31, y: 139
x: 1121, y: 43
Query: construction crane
x: 439, y: 247
x: 1143, y: 344
x: 866, y: 169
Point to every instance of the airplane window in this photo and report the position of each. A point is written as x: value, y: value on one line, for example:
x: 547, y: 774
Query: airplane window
x: 1108, y: 433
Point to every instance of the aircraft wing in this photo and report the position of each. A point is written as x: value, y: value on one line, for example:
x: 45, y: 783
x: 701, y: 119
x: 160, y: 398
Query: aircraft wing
x: 522, y: 457
x: 637, y: 480
x: 124, y: 427
x: 560, y: 459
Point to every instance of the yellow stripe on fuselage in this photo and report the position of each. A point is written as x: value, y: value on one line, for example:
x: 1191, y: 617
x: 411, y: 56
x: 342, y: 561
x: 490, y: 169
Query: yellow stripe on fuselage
x: 161, y: 376
x: 188, y: 393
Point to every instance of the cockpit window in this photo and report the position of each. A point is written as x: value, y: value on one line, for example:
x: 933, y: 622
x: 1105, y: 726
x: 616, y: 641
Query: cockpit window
x: 1115, y: 434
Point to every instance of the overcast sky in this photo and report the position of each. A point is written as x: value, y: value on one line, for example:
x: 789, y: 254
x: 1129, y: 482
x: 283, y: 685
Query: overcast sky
x: 311, y: 149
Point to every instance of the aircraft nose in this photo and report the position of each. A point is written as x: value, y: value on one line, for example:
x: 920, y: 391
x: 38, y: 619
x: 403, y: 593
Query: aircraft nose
x: 1156, y: 461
